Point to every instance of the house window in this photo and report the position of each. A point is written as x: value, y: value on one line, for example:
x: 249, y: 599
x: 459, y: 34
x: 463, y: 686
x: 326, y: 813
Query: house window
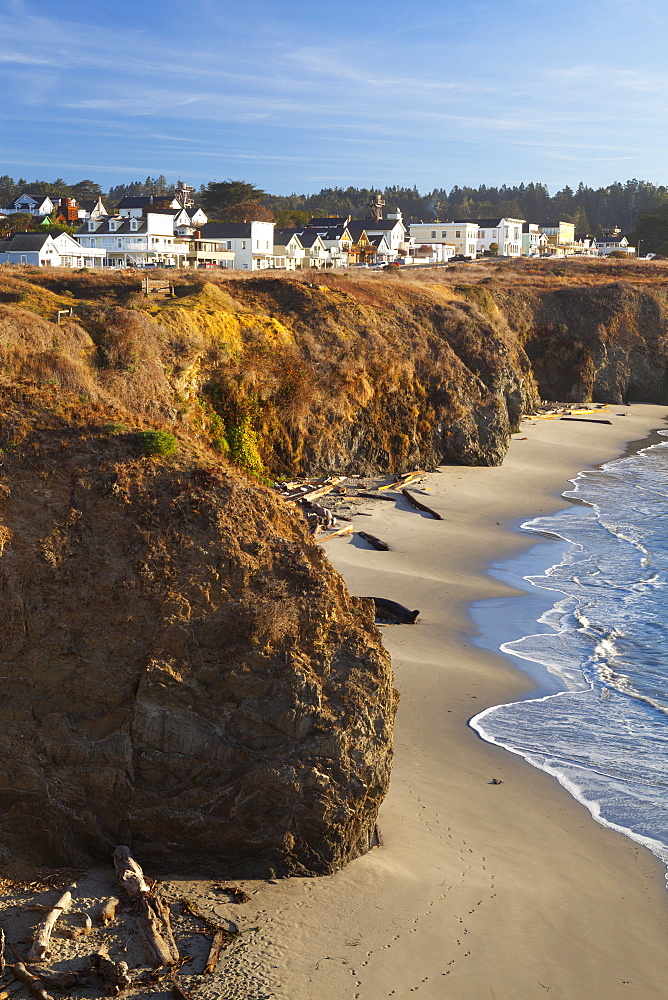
x: 133, y: 225
x: 458, y: 233
x: 433, y: 234
x: 112, y: 226
x: 229, y: 245
x: 444, y: 234
x: 24, y: 259
x: 91, y: 227
x: 243, y: 244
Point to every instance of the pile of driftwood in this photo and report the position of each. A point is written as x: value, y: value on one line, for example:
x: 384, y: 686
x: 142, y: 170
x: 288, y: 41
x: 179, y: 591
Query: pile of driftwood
x: 322, y: 518
x: 152, y: 915
x: 587, y: 413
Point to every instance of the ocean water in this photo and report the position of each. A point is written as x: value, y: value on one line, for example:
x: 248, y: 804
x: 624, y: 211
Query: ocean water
x: 592, y: 633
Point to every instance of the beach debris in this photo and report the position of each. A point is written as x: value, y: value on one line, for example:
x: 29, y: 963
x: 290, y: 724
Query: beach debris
x: 214, y: 951
x: 586, y: 420
x: 2, y: 951
x: 40, y: 950
x: 377, y: 836
x: 178, y: 993
x: 155, y: 928
x: 34, y: 984
x: 129, y: 874
x: 421, y: 506
x: 155, y: 931
x: 62, y: 981
x: 238, y: 895
x: 115, y: 974
x: 107, y: 910
x: 374, y: 541
x: 496, y: 781
x: 347, y: 530
x: 398, y: 611
x: 404, y: 480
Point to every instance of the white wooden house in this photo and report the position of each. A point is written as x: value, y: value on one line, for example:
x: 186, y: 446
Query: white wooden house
x: 42, y: 249
x: 289, y: 251
x: 463, y: 236
x: 130, y: 241
x: 506, y: 234
x: 252, y: 242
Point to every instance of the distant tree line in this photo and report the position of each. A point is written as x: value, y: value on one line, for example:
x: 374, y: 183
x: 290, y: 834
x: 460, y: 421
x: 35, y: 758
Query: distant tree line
x: 591, y: 209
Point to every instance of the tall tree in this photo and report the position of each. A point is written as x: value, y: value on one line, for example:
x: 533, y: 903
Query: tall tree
x: 222, y: 195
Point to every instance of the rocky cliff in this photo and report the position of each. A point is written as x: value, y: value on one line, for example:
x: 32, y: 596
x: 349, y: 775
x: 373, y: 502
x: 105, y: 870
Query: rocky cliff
x: 180, y: 667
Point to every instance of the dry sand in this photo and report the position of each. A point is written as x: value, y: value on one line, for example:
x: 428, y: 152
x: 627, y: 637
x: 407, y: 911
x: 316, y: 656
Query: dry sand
x: 480, y: 891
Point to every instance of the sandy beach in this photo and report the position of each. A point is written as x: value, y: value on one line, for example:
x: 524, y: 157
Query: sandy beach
x: 503, y: 891
x: 506, y: 891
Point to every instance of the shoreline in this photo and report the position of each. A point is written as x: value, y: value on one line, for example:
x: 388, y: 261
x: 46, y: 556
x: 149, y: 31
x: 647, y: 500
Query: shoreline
x: 480, y: 889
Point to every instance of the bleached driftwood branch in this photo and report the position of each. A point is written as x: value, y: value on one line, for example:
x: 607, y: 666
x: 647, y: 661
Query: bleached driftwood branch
x: 40, y: 950
x: 129, y: 874
x: 155, y: 930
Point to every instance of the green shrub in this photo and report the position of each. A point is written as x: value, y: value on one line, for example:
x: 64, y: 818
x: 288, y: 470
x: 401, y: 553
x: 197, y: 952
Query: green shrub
x: 242, y: 441
x: 155, y: 443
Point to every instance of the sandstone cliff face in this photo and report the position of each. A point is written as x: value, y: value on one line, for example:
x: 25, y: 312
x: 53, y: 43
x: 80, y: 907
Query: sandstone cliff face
x: 180, y: 668
x: 605, y: 343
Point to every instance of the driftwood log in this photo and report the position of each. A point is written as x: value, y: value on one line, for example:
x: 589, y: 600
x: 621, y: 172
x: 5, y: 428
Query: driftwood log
x: 2, y: 951
x: 155, y: 930
x: 586, y: 420
x: 61, y: 981
x: 115, y: 973
x: 40, y: 950
x: 129, y: 874
x: 404, y: 480
x: 178, y: 993
x: 348, y: 530
x: 374, y: 541
x: 421, y: 506
x: 219, y: 938
x: 107, y: 910
x: 34, y: 984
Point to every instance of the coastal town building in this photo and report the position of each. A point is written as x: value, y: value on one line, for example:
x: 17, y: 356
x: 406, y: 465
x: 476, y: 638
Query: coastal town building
x: 336, y: 238
x: 135, y: 242
x: 251, y: 242
x: 288, y: 250
x: 42, y: 249
x: 534, y: 243
x: 463, y: 236
x: 614, y: 244
x: 560, y: 237
x: 204, y: 251
x: 32, y: 204
x: 134, y: 208
x: 502, y: 236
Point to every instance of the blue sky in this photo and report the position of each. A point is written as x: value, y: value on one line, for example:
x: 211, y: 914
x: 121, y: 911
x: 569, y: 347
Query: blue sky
x: 296, y: 96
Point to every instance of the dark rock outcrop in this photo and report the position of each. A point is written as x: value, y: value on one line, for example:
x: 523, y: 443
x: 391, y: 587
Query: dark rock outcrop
x: 181, y: 669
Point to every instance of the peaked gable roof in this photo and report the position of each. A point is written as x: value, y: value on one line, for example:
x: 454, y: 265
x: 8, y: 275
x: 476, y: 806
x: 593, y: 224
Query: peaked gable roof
x: 25, y: 241
x: 121, y: 225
